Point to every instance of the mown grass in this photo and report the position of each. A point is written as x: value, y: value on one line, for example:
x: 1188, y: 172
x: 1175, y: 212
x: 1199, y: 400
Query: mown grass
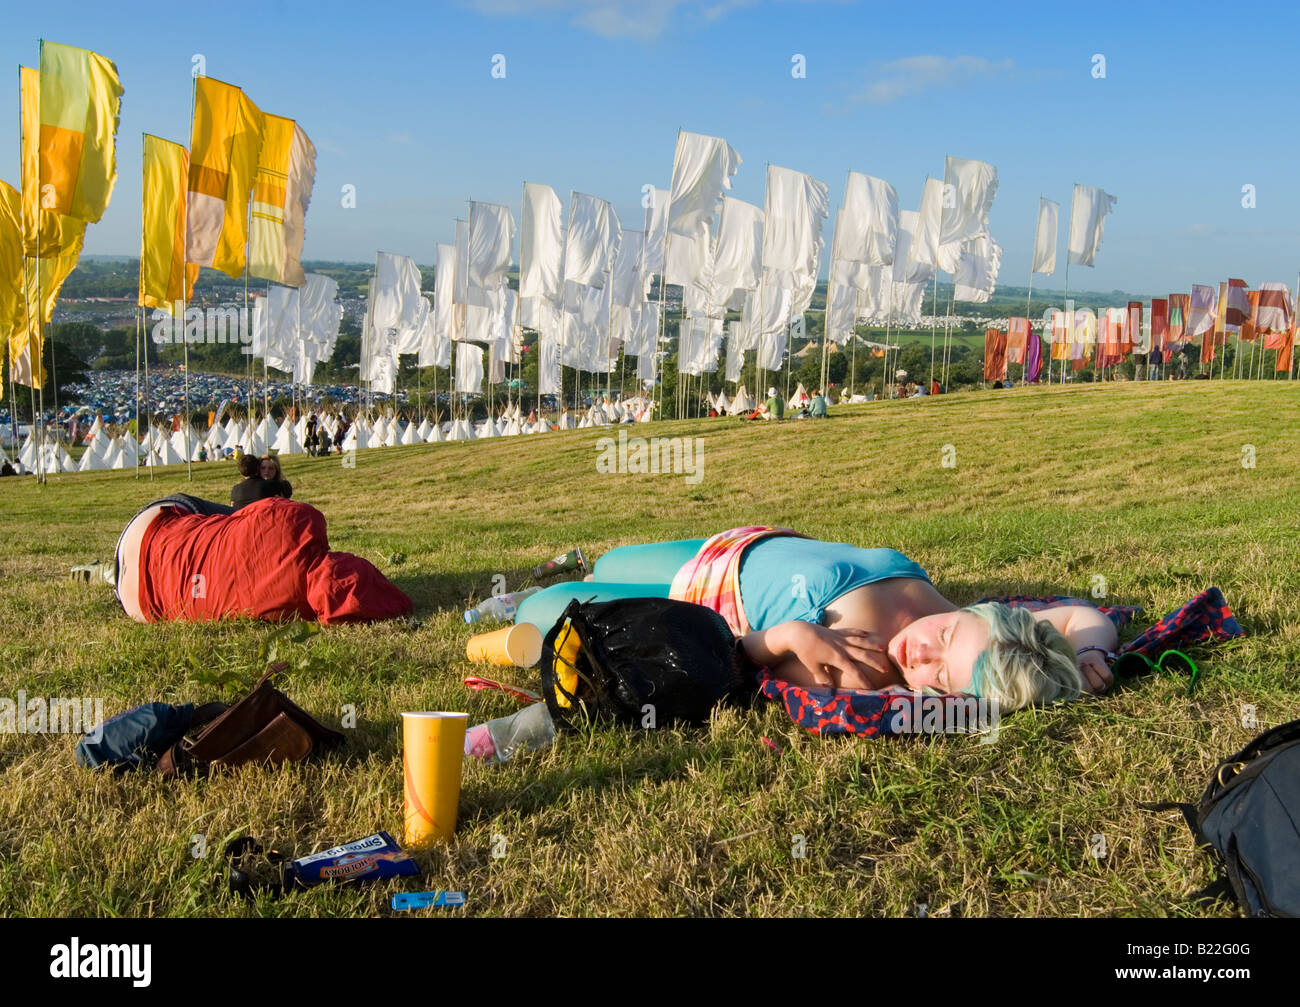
x: 1141, y: 484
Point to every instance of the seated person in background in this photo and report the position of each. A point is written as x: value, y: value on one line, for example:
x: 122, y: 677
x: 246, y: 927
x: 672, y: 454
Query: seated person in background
x: 249, y: 488
x: 817, y: 408
x: 277, y: 485
x: 775, y: 406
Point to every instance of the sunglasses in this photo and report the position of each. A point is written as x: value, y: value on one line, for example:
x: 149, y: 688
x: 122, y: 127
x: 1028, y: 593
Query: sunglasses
x: 1133, y: 664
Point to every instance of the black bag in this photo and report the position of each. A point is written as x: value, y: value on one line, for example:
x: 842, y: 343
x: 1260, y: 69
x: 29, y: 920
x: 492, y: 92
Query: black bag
x: 1250, y: 816
x: 642, y: 661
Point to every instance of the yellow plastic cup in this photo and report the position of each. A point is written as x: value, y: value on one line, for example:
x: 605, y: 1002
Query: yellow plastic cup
x: 519, y: 645
x: 433, y: 748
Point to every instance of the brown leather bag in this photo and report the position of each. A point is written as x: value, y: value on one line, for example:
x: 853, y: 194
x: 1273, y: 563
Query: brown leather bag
x: 265, y: 726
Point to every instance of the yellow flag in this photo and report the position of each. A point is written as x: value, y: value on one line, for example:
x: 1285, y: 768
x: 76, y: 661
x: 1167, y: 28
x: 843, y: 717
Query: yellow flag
x: 44, y: 281
x: 11, y: 267
x: 162, y: 236
x: 224, y: 146
x: 81, y: 97
x: 38, y: 200
x: 286, y: 171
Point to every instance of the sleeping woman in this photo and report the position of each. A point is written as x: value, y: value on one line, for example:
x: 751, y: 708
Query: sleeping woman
x: 834, y: 615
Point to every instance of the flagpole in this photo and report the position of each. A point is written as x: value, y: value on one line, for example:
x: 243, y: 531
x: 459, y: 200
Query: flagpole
x: 27, y: 306
x: 148, y: 408
x: 139, y: 311
x: 889, y: 338
x: 266, y: 347
x: 830, y: 279
x: 1024, y: 374
x: 39, y: 355
x: 1069, y: 315
x: 947, y: 334
x: 934, y: 308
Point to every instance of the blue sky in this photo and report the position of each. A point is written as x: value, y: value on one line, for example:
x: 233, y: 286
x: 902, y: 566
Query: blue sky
x: 400, y: 102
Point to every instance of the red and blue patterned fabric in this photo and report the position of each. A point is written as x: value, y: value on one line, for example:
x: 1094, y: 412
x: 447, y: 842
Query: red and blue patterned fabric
x: 870, y: 713
x: 1206, y: 618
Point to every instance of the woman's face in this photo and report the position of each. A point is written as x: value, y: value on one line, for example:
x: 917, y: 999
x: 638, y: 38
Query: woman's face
x: 939, y: 651
x: 267, y: 469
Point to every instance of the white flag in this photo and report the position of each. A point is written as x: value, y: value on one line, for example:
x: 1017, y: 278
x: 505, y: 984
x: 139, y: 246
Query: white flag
x: 1049, y: 214
x: 702, y: 168
x: 738, y: 254
x: 656, y: 227
x: 1087, y: 219
x: 929, y: 219
x: 774, y: 325
x: 469, y: 368
x: 321, y: 311
x: 397, y: 298
x: 465, y: 292
x: 792, y: 232
x: 735, y: 352
x: 867, y: 229
x: 548, y: 362
x: 628, y: 285
x: 444, y: 285
x: 841, y: 314
x: 906, y: 268
x: 969, y: 187
x: 977, y: 270
x: 690, y: 262
x: 541, y: 244
x: 491, y: 238
x: 406, y: 338
x: 592, y: 242
x: 435, y: 346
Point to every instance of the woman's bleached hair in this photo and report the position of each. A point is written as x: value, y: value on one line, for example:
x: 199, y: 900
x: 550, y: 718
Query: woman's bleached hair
x: 1027, y: 662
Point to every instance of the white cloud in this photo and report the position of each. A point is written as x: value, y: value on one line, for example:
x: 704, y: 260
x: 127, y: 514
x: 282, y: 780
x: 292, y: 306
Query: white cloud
x: 912, y: 75
x: 643, y: 19
x: 638, y: 19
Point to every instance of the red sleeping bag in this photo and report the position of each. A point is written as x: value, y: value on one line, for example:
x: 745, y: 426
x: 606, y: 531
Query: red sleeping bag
x: 269, y: 560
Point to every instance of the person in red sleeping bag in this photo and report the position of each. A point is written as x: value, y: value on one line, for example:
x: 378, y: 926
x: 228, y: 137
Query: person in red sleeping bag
x: 182, y: 558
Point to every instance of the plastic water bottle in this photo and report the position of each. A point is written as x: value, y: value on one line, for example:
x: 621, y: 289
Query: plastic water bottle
x: 501, y: 607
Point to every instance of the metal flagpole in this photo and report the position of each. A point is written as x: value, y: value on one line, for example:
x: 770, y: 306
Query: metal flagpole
x: 139, y: 326
x: 266, y: 373
x: 148, y: 409
x: 947, y: 335
x: 1069, y: 319
x: 889, y: 327
x: 36, y: 359
x: 934, y: 307
x: 1024, y: 371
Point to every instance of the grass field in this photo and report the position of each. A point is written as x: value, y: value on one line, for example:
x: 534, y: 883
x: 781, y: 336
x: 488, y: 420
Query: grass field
x: 1140, y: 484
